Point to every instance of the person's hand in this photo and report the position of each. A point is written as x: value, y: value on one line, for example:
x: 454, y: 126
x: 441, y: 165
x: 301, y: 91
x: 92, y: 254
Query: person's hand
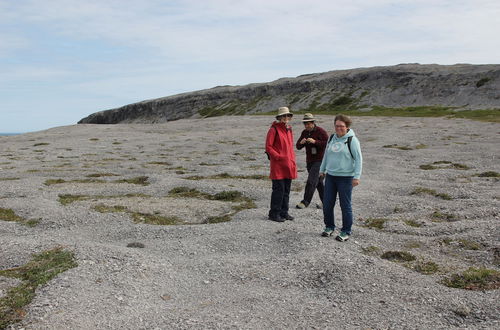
x: 303, y: 141
x: 321, y: 175
x: 355, y: 182
x: 311, y: 140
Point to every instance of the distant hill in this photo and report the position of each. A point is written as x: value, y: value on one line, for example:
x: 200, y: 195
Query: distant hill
x: 463, y: 86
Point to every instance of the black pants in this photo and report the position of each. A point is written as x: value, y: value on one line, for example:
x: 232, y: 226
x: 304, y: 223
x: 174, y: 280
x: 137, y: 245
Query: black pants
x: 313, y: 182
x: 280, y: 197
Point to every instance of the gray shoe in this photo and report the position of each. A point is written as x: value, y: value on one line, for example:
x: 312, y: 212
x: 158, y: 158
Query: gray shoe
x: 319, y: 205
x: 301, y: 205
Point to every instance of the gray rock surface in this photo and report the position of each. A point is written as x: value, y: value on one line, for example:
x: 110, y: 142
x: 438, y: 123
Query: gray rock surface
x: 463, y: 86
x: 251, y: 273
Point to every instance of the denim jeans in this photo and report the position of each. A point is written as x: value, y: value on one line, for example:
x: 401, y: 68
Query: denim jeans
x: 280, y: 197
x: 313, y: 182
x: 341, y: 185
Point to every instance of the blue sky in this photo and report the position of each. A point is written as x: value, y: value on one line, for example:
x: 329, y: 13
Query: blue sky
x: 61, y: 60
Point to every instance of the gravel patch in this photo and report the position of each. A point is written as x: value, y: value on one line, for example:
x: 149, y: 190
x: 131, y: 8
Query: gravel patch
x: 251, y: 273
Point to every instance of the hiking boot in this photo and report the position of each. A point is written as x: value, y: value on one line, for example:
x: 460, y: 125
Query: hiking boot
x: 288, y: 217
x: 301, y: 205
x: 319, y: 205
x: 342, y: 237
x: 328, y: 231
x: 276, y: 218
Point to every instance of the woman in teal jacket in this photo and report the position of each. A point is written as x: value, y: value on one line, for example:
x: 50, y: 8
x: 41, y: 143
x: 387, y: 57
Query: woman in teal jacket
x: 342, y: 166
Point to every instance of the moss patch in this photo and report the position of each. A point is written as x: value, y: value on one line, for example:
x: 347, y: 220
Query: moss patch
x: 66, y: 199
x: 9, y: 179
x: 377, y: 223
x: 432, y: 192
x: 412, y: 223
x: 223, y: 176
x: 110, y: 209
x: 98, y: 175
x: 448, y: 164
x: 155, y: 219
x: 426, y: 267
x: 489, y: 174
x: 10, y: 215
x: 474, y: 279
x: 438, y: 216
x: 41, y: 269
x: 136, y: 245
x: 398, y: 256
x: 227, y: 196
x: 395, y: 146
x: 141, y: 180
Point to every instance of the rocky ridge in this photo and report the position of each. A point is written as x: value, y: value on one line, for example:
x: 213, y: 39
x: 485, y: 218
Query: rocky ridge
x: 463, y: 86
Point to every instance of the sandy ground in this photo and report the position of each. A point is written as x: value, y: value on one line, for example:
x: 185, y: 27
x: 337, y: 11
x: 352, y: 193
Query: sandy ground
x: 251, y: 272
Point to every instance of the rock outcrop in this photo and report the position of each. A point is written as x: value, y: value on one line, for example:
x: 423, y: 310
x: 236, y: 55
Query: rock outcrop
x: 463, y: 86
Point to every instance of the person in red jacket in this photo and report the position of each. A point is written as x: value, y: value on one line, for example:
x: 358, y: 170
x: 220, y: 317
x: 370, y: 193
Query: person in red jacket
x: 279, y: 148
x: 314, y: 138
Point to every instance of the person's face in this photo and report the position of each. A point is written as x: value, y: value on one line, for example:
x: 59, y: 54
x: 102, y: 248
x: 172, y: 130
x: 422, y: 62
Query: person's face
x: 286, y: 118
x: 340, y: 128
x: 309, y: 125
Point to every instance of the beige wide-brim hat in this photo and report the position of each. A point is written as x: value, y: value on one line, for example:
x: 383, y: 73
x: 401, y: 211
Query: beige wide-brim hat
x: 308, y: 117
x: 283, y: 111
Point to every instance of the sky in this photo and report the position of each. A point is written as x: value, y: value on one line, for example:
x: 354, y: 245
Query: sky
x: 61, y: 60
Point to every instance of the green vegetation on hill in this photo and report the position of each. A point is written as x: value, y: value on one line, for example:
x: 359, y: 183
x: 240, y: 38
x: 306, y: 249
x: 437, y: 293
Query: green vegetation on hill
x: 490, y: 115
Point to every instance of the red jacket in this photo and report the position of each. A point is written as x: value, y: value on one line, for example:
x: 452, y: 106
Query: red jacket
x: 279, y: 147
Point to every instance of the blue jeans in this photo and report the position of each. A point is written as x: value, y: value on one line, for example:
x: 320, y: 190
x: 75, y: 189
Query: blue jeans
x: 341, y: 185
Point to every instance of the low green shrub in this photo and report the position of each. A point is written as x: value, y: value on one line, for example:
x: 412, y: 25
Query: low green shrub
x: 489, y: 174
x: 377, y: 223
x: 219, y: 218
x: 474, y: 279
x: 398, y: 256
x: 136, y: 245
x: 110, y: 209
x: 10, y: 215
x: 41, y: 269
x: 413, y: 223
x: 437, y: 216
x: 155, y: 219
x: 426, y: 267
x: 432, y: 192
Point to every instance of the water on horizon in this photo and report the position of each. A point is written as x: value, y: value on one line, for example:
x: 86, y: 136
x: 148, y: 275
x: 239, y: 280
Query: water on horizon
x: 7, y: 134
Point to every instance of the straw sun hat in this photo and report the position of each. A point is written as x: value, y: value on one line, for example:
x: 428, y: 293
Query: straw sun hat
x: 283, y: 111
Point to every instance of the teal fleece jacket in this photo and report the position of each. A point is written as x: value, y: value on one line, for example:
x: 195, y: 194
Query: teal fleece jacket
x: 338, y: 161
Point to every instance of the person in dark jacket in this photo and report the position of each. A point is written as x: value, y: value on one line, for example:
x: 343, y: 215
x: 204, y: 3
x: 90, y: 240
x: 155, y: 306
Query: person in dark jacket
x: 279, y: 148
x: 314, y: 139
